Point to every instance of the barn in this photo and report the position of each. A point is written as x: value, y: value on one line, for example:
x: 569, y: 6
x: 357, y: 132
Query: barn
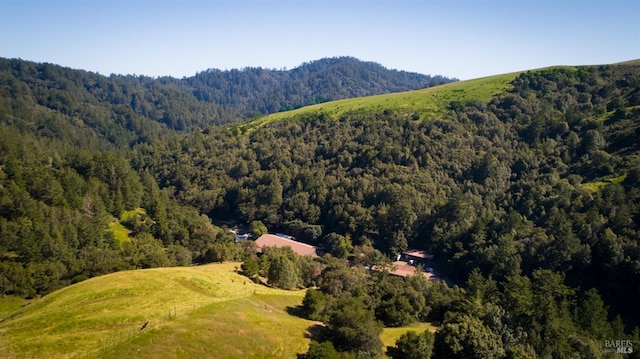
x: 272, y: 240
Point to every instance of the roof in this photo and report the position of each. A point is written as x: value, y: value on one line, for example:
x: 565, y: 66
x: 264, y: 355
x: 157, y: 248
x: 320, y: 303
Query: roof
x: 418, y: 254
x: 403, y: 269
x: 271, y: 240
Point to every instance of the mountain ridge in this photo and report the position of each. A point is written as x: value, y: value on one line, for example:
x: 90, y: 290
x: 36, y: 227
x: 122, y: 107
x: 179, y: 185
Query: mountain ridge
x: 336, y: 78
x: 208, y: 98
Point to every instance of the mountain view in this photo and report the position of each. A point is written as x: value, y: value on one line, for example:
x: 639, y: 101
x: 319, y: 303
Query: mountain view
x: 133, y: 212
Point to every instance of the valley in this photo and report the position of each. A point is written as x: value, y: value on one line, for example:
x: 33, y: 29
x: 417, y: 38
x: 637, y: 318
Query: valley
x: 524, y: 187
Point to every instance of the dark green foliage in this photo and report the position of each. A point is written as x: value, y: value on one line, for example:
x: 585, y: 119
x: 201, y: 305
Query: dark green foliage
x: 144, y: 251
x: 396, y: 311
x: 340, y: 281
x: 283, y: 273
x: 467, y: 337
x: 592, y: 315
x: 397, y: 301
x: 257, y: 228
x: 323, y: 350
x: 57, y: 207
x: 141, y: 105
x: 250, y: 268
x: 308, y: 233
x: 282, y: 267
x: 313, y: 304
x: 353, y: 328
x: 412, y: 345
x: 222, y: 251
x: 338, y: 245
x: 258, y: 90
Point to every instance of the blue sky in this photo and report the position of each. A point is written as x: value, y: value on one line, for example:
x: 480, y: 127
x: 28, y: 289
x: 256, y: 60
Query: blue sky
x: 456, y: 38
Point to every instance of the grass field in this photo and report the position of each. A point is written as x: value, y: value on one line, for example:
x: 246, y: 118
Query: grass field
x: 206, y: 311
x: 257, y: 326
x: 597, y: 186
x: 9, y: 304
x: 426, y: 103
x: 120, y: 232
x: 390, y: 335
x: 102, y: 314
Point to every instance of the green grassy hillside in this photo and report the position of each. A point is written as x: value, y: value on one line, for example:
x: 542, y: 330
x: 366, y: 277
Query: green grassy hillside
x: 204, y: 311
x: 192, y: 312
x: 424, y: 103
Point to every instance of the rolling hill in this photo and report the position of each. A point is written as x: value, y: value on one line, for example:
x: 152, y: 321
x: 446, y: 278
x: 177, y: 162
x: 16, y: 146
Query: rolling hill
x: 206, y: 311
x: 128, y: 109
x: 427, y: 103
x: 263, y: 91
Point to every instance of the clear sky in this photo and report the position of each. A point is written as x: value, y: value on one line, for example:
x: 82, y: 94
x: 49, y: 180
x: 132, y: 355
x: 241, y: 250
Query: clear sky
x: 457, y: 38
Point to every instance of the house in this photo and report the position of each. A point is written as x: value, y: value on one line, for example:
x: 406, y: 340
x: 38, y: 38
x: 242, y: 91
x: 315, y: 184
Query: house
x: 272, y: 240
x: 406, y: 263
x: 404, y: 269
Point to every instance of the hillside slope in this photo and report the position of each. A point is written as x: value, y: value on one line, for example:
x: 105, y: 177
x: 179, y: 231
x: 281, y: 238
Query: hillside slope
x: 61, y: 102
x: 263, y: 91
x: 527, y: 185
x: 209, y: 310
x: 427, y: 103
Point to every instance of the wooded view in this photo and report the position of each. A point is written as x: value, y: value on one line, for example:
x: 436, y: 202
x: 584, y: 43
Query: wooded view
x: 529, y: 202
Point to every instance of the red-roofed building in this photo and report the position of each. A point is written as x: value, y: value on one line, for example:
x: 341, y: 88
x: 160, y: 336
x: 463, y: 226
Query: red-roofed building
x: 271, y: 240
x: 403, y: 269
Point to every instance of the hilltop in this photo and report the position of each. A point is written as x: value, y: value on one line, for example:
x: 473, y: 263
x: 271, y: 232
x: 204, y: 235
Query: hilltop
x: 263, y: 91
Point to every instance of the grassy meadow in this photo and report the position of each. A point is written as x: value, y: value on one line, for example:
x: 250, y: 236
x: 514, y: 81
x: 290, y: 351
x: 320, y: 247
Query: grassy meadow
x: 9, y: 304
x: 390, y: 335
x: 425, y: 103
x: 102, y: 316
x: 206, y: 311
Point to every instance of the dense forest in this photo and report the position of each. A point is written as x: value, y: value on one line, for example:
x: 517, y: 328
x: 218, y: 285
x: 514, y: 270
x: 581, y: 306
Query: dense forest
x: 529, y: 202
x: 119, y: 107
x: 73, y: 204
x: 258, y: 90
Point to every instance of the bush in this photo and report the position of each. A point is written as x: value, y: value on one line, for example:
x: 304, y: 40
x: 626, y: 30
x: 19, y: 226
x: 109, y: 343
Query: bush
x: 412, y: 345
x: 313, y: 304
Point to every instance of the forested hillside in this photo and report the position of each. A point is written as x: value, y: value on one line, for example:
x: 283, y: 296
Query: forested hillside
x: 72, y: 204
x: 262, y: 91
x: 531, y: 198
x: 545, y: 176
x: 127, y: 109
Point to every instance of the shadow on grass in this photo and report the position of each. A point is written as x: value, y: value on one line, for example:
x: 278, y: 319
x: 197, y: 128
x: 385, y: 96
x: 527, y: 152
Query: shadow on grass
x: 296, y: 311
x: 317, y: 332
